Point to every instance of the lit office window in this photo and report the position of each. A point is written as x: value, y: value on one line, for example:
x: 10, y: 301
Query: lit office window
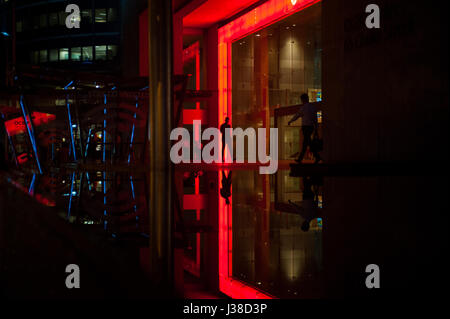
x: 75, y: 54
x: 43, y: 56
x: 100, y: 15
x: 86, y: 15
x: 53, y: 19
x: 43, y: 21
x: 100, y: 52
x: 86, y: 54
x: 112, y: 14
x: 111, y: 53
x: 53, y: 55
x: 63, y: 54
x: 19, y: 26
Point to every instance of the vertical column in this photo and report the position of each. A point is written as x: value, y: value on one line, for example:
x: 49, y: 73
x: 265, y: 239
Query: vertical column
x: 211, y: 255
x: 160, y: 124
x: 261, y: 86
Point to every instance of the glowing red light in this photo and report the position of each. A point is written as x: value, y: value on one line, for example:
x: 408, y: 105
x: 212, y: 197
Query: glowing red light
x: 256, y: 19
x: 17, y: 125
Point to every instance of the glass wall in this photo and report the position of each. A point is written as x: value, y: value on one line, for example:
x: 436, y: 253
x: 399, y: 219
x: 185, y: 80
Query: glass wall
x: 272, y: 67
x: 271, y: 249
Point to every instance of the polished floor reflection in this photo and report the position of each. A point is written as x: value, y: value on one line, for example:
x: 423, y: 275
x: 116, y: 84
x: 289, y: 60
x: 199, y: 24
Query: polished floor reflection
x: 236, y: 233
x: 277, y: 233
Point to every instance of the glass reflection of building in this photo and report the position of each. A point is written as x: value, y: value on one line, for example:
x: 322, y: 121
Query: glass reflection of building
x: 272, y: 67
x: 270, y: 251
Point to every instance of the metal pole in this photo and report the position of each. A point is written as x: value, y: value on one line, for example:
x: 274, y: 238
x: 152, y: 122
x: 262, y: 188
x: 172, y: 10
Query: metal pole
x: 160, y: 125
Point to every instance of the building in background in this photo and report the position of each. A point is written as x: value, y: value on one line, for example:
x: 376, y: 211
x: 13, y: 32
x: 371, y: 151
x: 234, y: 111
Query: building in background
x: 104, y: 43
x: 58, y: 71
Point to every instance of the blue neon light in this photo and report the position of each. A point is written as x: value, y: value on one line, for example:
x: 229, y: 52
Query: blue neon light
x: 68, y: 85
x: 132, y: 132
x: 104, y: 198
x: 87, y: 144
x: 132, y: 192
x: 104, y: 131
x: 71, y: 131
x: 70, y: 124
x: 89, y: 182
x: 71, y: 194
x: 30, y: 133
x: 31, y: 189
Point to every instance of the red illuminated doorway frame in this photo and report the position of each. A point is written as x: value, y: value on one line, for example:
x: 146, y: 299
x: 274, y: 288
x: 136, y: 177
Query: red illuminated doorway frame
x: 256, y: 19
x: 194, y: 201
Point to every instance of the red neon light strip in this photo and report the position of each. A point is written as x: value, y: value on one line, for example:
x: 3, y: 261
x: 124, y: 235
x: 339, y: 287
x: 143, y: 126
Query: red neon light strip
x: 234, y: 288
x: 190, y: 53
x: 260, y: 17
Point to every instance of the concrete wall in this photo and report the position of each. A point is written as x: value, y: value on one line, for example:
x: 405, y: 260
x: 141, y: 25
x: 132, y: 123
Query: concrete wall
x: 385, y: 91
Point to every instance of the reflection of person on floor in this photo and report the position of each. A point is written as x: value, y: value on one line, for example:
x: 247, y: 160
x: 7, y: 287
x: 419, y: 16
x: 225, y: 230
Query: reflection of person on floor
x: 308, y: 113
x: 225, y: 191
x: 308, y: 209
x: 222, y: 130
x: 190, y: 180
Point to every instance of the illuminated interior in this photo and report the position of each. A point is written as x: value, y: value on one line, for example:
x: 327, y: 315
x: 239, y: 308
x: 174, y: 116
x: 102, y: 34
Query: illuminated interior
x: 254, y: 28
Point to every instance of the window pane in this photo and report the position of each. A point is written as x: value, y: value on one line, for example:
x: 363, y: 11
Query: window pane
x: 112, y: 14
x: 43, y: 20
x: 53, y: 19
x: 100, y: 15
x: 75, y: 54
x: 100, y: 52
x: 64, y: 54
x: 53, y: 55
x: 43, y: 56
x: 111, y: 54
x: 87, y: 54
x: 86, y: 16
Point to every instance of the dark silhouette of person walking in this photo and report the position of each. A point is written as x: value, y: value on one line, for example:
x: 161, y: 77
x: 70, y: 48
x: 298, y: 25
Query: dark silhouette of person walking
x: 223, y: 127
x: 308, y: 209
x: 225, y: 191
x: 308, y: 113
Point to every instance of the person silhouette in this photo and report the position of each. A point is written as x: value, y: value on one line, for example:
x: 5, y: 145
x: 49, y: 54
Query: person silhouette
x: 308, y: 113
x: 308, y: 209
x: 225, y: 191
x: 223, y: 127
